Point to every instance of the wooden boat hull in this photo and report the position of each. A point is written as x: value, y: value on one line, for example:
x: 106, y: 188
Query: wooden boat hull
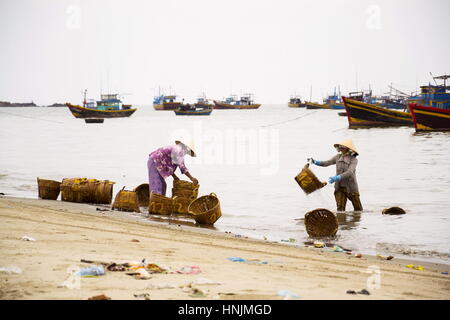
x: 83, y: 113
x: 365, y: 115
x: 167, y: 106
x: 296, y: 105
x: 337, y: 106
x: 205, y: 112
x: 221, y: 105
x: 312, y: 105
x: 430, y: 118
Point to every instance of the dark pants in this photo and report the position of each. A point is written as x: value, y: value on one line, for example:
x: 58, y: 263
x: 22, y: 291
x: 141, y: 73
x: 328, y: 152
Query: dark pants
x: 341, y: 195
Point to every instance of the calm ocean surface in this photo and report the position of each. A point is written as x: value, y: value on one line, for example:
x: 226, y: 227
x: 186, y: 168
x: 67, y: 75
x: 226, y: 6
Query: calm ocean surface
x: 249, y: 158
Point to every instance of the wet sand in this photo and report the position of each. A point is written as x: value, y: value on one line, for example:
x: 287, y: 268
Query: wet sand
x: 65, y: 233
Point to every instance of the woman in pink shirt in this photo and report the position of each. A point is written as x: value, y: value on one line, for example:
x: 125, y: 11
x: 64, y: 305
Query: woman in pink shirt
x: 163, y: 162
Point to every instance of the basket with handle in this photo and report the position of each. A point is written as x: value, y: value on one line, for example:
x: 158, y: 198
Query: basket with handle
x: 48, y: 189
x: 159, y: 204
x: 307, y: 180
x: 321, y: 223
x: 206, y: 209
x: 182, y: 188
x: 143, y: 194
x: 181, y: 204
x: 126, y: 201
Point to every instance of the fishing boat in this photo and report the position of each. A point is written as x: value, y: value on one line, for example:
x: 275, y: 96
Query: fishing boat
x: 193, y: 110
x: 163, y: 102
x: 110, y: 106
x: 365, y: 115
x: 334, y: 101
x: 233, y: 102
x: 432, y: 111
x: 202, y: 102
x: 315, y: 105
x: 296, y: 102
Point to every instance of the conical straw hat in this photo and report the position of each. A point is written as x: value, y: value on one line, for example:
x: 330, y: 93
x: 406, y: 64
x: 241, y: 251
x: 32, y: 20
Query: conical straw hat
x: 348, y: 144
x: 189, y: 145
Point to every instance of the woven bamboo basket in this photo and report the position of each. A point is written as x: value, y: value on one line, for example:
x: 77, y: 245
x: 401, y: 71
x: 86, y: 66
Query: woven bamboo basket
x: 86, y: 190
x: 206, y: 209
x: 308, y: 181
x: 321, y: 223
x: 76, y: 190
x: 183, y: 184
x: 181, y: 205
x: 48, y: 189
x: 160, y: 204
x: 185, y: 189
x: 393, y: 211
x: 143, y: 194
x: 103, y: 192
x: 126, y: 201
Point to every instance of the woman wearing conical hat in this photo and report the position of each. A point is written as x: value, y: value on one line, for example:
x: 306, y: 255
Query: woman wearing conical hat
x: 163, y: 162
x: 346, y: 186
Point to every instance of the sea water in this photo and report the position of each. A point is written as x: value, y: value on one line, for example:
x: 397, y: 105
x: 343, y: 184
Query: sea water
x: 249, y: 158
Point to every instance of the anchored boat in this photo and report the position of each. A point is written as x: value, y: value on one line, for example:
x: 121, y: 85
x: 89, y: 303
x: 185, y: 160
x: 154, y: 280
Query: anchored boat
x: 110, y: 106
x: 315, y: 105
x: 193, y: 110
x: 296, y: 102
x: 431, y: 112
x: 365, y: 115
x: 233, y: 102
x: 162, y: 102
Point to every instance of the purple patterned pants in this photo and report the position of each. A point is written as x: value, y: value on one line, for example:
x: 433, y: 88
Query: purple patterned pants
x: 156, y: 183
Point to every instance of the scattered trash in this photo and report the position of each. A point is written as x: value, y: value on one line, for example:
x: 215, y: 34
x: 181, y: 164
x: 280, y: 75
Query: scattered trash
x: 10, y: 270
x: 411, y: 266
x: 159, y: 287
x: 92, y: 271
x: 135, y: 240
x: 364, y: 291
x: 338, y: 249
x: 237, y: 259
x: 100, y: 297
x: 204, y: 281
x: 351, y: 292
x: 319, y: 244
x: 445, y: 272
x: 237, y: 236
x: 348, y: 252
x: 101, y: 209
x: 28, y: 238
x: 385, y: 258
x: 189, y: 270
x: 118, y: 267
x: 257, y: 261
x: 288, y: 294
x: 197, y: 293
x: 144, y: 296
x: 358, y: 255
x: 265, y: 238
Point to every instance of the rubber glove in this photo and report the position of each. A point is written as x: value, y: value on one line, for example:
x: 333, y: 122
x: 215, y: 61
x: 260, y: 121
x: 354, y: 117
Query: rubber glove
x: 314, y: 161
x: 334, y: 179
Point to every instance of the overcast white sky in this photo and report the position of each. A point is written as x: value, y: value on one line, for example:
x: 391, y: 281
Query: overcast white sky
x: 50, y: 50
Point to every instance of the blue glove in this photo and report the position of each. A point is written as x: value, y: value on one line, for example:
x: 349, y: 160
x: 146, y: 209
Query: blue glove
x: 334, y: 179
x: 314, y: 161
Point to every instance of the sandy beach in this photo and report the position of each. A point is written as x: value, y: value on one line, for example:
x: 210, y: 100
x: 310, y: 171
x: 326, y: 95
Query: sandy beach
x: 65, y: 233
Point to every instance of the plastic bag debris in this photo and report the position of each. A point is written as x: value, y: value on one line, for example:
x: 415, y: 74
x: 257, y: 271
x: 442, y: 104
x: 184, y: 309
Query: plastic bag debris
x: 144, y: 296
x: 411, y: 266
x: 91, y: 271
x: 28, y: 238
x: 189, y: 270
x: 287, y: 294
x: 358, y: 255
x: 385, y: 258
x: 10, y: 270
x: 205, y: 281
x: 159, y: 287
x: 319, y: 244
x: 237, y: 259
x: 445, y: 272
x: 338, y: 249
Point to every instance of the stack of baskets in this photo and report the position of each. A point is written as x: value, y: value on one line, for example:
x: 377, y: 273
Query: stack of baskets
x: 183, y: 193
x: 86, y: 190
x: 308, y: 181
x: 48, y: 189
x: 126, y: 201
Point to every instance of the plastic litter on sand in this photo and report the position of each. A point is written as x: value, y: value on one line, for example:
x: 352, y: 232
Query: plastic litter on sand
x: 91, y: 271
x: 28, y: 238
x: 10, y: 270
x: 287, y: 294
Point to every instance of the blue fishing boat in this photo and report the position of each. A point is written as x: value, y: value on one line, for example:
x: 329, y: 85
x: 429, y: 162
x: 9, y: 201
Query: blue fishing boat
x: 334, y: 101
